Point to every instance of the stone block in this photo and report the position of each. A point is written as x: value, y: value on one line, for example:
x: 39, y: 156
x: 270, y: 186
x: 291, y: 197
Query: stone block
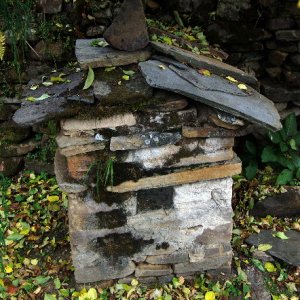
x: 10, y: 166
x: 50, y: 6
x: 82, y: 149
x: 10, y: 132
x: 99, y: 57
x: 147, y: 270
x: 280, y: 23
x: 173, y: 258
x: 288, y: 35
x: 64, y: 141
x: 10, y: 150
x: 78, y: 165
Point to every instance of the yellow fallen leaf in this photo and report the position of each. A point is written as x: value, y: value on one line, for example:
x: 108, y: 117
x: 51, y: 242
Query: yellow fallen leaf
x: 134, y: 282
x: 242, y: 86
x: 8, y: 269
x: 210, y: 295
x: 204, y: 72
x: 1, y: 282
x: 270, y: 267
x: 125, y: 77
x: 52, y: 198
x: 231, y: 79
x: 92, y: 294
x: 34, y: 261
x: 34, y: 87
x: 264, y: 247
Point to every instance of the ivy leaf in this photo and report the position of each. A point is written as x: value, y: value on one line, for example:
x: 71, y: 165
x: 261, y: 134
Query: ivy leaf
x: 89, y: 79
x: 258, y: 264
x: 275, y: 137
x: 283, y: 147
x: 50, y: 297
x: 281, y: 235
x: 251, y: 169
x: 290, y: 124
x: 270, y: 267
x: 128, y: 72
x: 125, y: 77
x: 284, y: 177
x: 15, y: 237
x: 231, y: 79
x: 293, y: 145
x: 264, y: 247
x: 242, y: 86
x: 57, y: 283
x: 269, y: 154
x: 251, y: 147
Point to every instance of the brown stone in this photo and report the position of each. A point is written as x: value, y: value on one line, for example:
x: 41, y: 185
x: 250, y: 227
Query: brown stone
x: 79, y: 164
x: 10, y: 166
x: 75, y: 150
x: 144, y: 270
x: 182, y: 176
x: 128, y: 31
x: 50, y: 6
x: 10, y: 150
x: 277, y: 58
x: 47, y: 51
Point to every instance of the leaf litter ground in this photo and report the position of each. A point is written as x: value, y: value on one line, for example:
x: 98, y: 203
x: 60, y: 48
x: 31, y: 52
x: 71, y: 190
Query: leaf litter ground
x: 36, y: 262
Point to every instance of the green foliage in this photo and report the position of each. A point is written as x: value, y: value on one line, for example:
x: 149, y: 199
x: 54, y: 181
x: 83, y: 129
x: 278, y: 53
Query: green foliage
x: 281, y: 153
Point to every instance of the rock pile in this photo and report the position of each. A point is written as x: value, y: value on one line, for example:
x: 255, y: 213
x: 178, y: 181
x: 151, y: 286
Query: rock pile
x: 148, y: 169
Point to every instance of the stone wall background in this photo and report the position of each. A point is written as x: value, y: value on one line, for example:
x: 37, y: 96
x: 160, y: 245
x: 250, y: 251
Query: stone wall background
x: 260, y: 36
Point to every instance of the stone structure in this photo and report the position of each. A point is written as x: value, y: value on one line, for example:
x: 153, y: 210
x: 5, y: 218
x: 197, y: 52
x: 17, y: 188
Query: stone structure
x: 148, y: 171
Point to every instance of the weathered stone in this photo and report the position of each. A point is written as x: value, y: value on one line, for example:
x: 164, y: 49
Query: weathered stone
x: 127, y: 119
x: 104, y: 271
x: 295, y: 59
x: 132, y: 91
x: 85, y: 96
x: 154, y: 281
x: 147, y: 140
x: 63, y: 178
x: 286, y: 112
x: 203, y: 62
x: 205, y: 264
x: 95, y: 31
x: 262, y: 256
x: 10, y: 132
x: 64, y: 141
x: 224, y: 96
x: 230, y: 9
x: 128, y: 30
x: 50, y: 6
x: 180, y: 177
x: 144, y: 270
x: 97, y: 57
x: 288, y: 35
x: 38, y: 166
x: 292, y: 78
x: 283, y: 205
x: 226, y: 120
x: 75, y: 150
x: 6, y: 111
x: 210, y: 131
x: 8, y: 100
x: 78, y: 165
x: 174, y: 258
x: 10, y: 166
x: 277, y: 58
x: 41, y: 111
x: 280, y: 106
x: 48, y: 51
x: 280, y: 23
x: 10, y: 150
x: 274, y: 72
x: 257, y: 281
x: 280, y: 94
x: 287, y: 250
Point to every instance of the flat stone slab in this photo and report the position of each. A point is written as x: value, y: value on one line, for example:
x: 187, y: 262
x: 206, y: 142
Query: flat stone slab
x: 203, y: 62
x: 99, y: 57
x: 213, y: 90
x: 286, y: 250
x: 282, y: 205
x: 179, y: 177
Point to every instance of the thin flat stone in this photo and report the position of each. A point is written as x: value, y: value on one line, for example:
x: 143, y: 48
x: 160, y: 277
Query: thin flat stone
x: 286, y: 250
x: 214, y: 91
x: 75, y: 150
x: 146, y: 140
x: 99, y: 57
x: 128, y: 30
x: 203, y: 62
x: 184, y: 176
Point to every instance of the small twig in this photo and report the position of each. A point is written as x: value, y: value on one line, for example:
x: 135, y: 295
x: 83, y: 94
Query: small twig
x: 32, y: 49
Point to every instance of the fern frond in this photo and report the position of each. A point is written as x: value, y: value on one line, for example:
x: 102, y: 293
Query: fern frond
x: 2, y: 45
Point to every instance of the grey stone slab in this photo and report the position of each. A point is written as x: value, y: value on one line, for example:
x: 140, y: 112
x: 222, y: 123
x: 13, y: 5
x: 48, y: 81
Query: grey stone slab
x: 203, y: 62
x: 174, y: 258
x: 146, y: 270
x: 146, y: 140
x: 286, y: 250
x: 97, y: 57
x: 214, y: 91
x: 282, y: 205
x: 288, y: 35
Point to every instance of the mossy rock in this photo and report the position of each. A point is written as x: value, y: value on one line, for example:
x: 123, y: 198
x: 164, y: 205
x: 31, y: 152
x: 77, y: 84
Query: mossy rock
x: 12, y: 133
x: 6, y: 111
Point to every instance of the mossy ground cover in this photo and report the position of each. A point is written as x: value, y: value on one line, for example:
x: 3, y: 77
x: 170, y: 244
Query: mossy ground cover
x: 36, y: 262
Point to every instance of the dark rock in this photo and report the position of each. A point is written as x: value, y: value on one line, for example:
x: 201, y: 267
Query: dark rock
x: 224, y: 95
x: 281, y: 105
x: 276, y: 58
x: 292, y: 78
x: 274, y: 72
x: 288, y: 47
x: 128, y: 30
x: 11, y: 165
x: 39, y: 166
x: 50, y: 6
x: 96, y: 57
x: 288, y: 35
x: 6, y: 111
x: 293, y: 110
x: 110, y: 89
x: 48, y: 51
x: 155, y: 199
x: 279, y: 93
x: 256, y: 46
x: 111, y: 219
x: 295, y: 59
x: 85, y: 96
x: 230, y: 9
x: 280, y: 23
x: 10, y: 132
x: 282, y: 205
x: 13, y: 150
x: 286, y: 250
x: 204, y: 62
x: 95, y: 31
x: 258, y: 288
x: 271, y: 45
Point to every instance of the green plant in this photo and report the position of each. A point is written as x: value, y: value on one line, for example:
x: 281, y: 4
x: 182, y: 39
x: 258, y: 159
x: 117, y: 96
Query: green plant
x: 283, y: 152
